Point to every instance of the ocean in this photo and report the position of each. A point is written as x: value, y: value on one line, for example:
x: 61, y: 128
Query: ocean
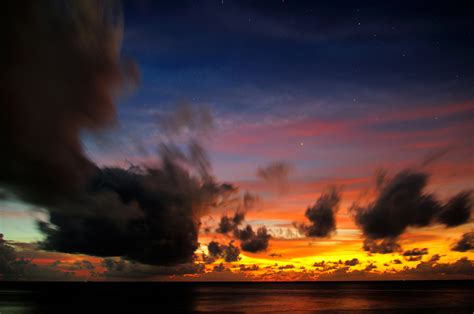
x: 238, y: 297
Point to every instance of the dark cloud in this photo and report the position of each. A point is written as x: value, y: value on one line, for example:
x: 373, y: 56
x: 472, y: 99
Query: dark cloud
x: 13, y: 267
x: 413, y: 258
x: 462, y: 267
x: 370, y: 267
x: 401, y: 203
x: 288, y: 266
x: 352, y: 262
x: 466, y: 243
x: 149, y: 215
x: 228, y: 224
x: 432, y: 269
x: 416, y: 252
x: 220, y: 268
x: 435, y: 258
x: 253, y: 267
x: 121, y: 269
x: 276, y: 174
x: 319, y: 264
x: 251, y: 241
x: 229, y: 253
x: 397, y: 261
x: 9, y: 266
x: 456, y: 211
x: 60, y: 73
x: 381, y: 246
x: 322, y: 215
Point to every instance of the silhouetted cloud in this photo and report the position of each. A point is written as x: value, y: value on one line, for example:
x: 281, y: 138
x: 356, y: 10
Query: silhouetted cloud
x: 13, y: 267
x: 432, y: 269
x: 60, y: 73
x: 401, y: 203
x: 230, y: 224
x: 121, y: 269
x: 456, y: 211
x: 9, y: 267
x: 252, y: 241
x: 148, y: 215
x: 288, y: 266
x: 466, y: 243
x: 253, y: 267
x: 416, y: 258
x: 352, y: 262
x: 416, y: 252
x: 58, y: 84
x: 381, y: 246
x: 370, y: 267
x: 322, y: 215
x: 229, y: 253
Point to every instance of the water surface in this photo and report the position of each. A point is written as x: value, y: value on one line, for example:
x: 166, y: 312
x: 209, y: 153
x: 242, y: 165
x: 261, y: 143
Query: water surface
x: 253, y: 297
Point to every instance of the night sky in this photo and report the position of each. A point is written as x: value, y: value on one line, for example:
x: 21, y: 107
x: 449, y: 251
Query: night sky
x: 319, y: 141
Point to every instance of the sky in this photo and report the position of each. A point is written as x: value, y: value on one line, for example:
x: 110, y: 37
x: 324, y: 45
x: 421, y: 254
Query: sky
x: 336, y: 140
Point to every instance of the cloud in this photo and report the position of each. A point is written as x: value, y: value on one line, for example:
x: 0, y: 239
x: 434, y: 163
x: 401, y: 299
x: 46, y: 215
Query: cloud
x: 457, y: 211
x: 288, y: 266
x: 149, y: 215
x: 381, y: 246
x: 56, y: 84
x: 432, y: 269
x: 352, y: 262
x: 253, y: 267
x: 416, y: 252
x: 370, y: 267
x: 229, y: 253
x: 60, y: 84
x: 276, y: 174
x: 466, y: 243
x: 228, y: 224
x: 322, y: 215
x: 251, y: 241
x: 413, y: 258
x: 13, y: 267
x: 9, y: 266
x: 401, y: 202
x: 121, y: 269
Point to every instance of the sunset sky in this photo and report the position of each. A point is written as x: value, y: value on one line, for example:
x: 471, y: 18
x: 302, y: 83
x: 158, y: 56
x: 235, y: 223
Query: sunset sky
x: 306, y: 99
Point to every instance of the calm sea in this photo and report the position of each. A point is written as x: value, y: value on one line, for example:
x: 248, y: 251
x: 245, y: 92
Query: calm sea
x: 299, y: 297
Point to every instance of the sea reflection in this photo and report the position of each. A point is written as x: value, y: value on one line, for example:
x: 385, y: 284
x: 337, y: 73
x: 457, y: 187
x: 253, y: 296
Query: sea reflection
x: 357, y: 297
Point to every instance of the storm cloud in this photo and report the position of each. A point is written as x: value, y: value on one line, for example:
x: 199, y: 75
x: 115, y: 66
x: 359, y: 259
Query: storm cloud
x: 61, y: 73
x: 322, y: 215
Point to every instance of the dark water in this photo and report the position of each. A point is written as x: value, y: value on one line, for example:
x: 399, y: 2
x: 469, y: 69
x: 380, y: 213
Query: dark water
x: 306, y: 297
